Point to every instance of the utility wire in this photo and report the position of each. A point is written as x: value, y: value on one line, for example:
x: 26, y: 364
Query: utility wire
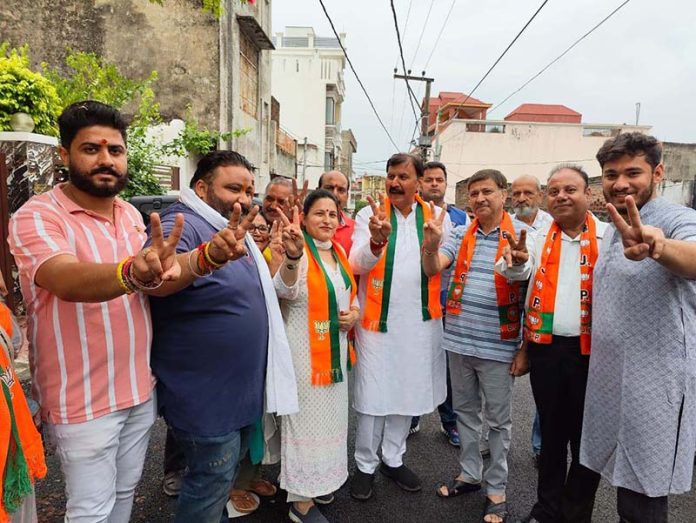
x: 403, y: 62
x: 496, y: 106
x: 506, y: 50
x: 420, y: 38
x: 437, y: 40
x: 374, y: 109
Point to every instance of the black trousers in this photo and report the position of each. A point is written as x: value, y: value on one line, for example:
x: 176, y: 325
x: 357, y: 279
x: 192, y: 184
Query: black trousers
x: 174, y: 458
x: 559, y: 379
x: 634, y: 507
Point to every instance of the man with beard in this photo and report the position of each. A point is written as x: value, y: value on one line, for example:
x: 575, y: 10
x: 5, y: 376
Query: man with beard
x: 558, y: 325
x: 526, y: 195
x: 639, y: 428
x: 211, y: 340
x: 433, y: 186
x: 83, y: 273
x: 482, y: 336
x: 400, y: 370
x: 339, y: 184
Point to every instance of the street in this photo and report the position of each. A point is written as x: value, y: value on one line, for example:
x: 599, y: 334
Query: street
x: 428, y: 454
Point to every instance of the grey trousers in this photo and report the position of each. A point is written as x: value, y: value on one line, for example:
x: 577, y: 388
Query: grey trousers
x: 474, y: 378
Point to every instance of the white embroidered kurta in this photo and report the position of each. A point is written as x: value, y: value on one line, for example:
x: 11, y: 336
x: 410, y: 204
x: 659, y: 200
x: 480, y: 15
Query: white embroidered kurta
x: 314, y: 453
x: 402, y: 371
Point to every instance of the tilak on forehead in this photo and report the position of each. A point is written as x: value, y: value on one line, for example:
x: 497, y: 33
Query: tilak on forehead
x: 103, y: 141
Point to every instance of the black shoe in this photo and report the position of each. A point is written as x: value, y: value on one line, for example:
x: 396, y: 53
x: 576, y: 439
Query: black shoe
x: 529, y: 519
x: 402, y: 476
x: 361, y: 485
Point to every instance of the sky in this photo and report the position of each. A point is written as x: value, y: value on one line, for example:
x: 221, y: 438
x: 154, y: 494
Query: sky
x: 645, y: 53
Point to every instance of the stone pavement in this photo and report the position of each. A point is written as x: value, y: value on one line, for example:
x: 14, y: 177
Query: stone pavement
x: 428, y: 454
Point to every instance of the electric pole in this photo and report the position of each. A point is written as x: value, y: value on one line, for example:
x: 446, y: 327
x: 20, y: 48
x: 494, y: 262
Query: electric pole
x: 424, y: 141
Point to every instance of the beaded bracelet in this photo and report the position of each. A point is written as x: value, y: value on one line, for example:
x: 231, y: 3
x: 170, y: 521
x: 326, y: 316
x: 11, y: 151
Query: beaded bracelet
x: 120, y: 276
x: 202, y: 266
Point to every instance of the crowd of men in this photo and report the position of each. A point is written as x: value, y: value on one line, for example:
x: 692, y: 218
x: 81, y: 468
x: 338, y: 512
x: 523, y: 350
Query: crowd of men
x: 181, y: 320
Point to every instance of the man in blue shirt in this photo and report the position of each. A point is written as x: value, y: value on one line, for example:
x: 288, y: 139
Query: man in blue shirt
x: 433, y: 186
x: 210, y: 342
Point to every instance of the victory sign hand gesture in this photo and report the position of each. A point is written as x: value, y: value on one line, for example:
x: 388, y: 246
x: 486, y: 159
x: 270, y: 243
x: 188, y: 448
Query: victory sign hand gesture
x: 228, y: 244
x: 380, y: 227
x: 158, y: 262
x: 298, y: 197
x: 432, y: 229
x: 639, y: 241
x: 291, y: 233
x: 515, y: 252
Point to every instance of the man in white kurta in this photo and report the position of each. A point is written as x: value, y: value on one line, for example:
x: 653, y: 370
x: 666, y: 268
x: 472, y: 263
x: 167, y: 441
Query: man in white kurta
x: 402, y: 372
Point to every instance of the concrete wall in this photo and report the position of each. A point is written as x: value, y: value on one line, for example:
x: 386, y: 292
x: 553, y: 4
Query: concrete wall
x: 195, y: 55
x: 521, y: 148
x: 679, y: 160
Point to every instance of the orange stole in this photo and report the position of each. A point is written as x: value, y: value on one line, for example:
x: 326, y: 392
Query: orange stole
x: 542, y: 300
x: 507, y: 293
x: 324, y: 335
x: 379, y: 279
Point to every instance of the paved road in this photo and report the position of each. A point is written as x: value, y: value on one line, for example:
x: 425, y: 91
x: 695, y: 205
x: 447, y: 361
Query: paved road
x: 428, y: 454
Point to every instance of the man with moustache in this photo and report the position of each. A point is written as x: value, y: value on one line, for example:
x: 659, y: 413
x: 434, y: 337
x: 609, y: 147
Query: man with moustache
x: 278, y: 197
x: 212, y: 339
x: 83, y: 275
x: 433, y: 187
x: 482, y: 336
x: 400, y: 370
x: 526, y: 195
x: 339, y: 184
x: 558, y: 327
x: 639, y: 428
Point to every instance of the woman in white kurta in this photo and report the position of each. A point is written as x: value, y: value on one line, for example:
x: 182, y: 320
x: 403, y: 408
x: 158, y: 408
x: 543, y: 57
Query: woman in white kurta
x: 313, y: 441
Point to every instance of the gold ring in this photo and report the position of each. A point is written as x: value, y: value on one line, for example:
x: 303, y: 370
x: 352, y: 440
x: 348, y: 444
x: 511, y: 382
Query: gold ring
x: 146, y: 251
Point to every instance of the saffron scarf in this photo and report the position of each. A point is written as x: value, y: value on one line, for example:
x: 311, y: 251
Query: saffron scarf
x: 542, y: 300
x: 507, y: 292
x: 324, y: 334
x: 21, y: 450
x: 379, y: 280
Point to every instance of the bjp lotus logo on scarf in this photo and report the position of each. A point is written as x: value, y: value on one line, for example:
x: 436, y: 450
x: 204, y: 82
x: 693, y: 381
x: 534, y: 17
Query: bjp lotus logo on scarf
x: 377, y: 285
x: 321, y: 327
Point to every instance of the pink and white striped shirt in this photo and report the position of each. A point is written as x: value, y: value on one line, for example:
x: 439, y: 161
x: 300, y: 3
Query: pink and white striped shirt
x: 87, y: 359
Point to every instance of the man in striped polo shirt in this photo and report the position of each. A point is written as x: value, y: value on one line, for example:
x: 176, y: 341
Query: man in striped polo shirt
x: 482, y: 335
x: 89, y: 332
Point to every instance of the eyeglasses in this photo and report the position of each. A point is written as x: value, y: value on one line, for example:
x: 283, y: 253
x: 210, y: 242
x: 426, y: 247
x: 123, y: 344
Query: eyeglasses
x: 258, y: 228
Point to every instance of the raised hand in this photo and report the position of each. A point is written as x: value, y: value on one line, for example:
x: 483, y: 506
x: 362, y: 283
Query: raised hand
x: 639, y: 241
x: 432, y: 229
x: 291, y: 233
x: 228, y: 244
x: 297, y: 198
x: 158, y: 262
x: 515, y: 252
x: 379, y: 226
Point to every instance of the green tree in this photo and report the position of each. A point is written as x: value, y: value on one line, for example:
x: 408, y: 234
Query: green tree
x: 23, y: 90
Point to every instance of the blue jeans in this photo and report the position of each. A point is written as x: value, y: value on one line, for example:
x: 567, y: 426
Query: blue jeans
x: 536, y: 434
x: 212, y: 464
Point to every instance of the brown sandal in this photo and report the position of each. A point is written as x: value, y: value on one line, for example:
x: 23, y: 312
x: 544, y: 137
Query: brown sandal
x: 263, y: 488
x: 243, y: 501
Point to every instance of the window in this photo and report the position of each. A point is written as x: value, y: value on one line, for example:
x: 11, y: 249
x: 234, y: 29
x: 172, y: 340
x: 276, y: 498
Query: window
x: 330, y: 111
x: 328, y: 161
x: 249, y: 75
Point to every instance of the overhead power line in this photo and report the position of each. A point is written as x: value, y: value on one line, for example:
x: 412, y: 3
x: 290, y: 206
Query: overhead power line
x: 496, y: 106
x: 442, y: 29
x: 362, y: 86
x: 506, y: 50
x: 403, y: 62
x: 420, y: 38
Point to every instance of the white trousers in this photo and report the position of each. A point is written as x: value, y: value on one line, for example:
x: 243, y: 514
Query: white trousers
x: 389, y: 431
x: 102, y: 460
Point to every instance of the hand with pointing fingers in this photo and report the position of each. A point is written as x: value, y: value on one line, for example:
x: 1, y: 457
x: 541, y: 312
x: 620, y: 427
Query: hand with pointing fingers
x: 639, y: 241
x: 291, y: 234
x: 515, y: 252
x: 158, y: 262
x: 228, y: 244
x: 432, y: 229
x: 380, y: 228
